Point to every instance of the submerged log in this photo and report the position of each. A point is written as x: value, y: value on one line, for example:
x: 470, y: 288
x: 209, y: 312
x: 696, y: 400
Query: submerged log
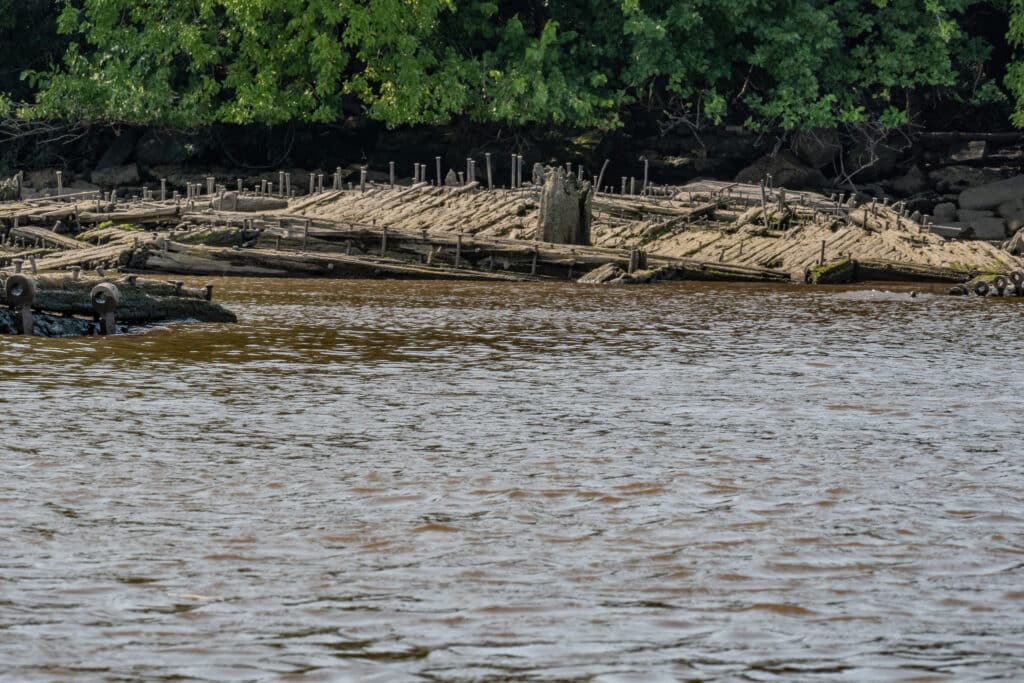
x: 565, y: 209
x: 141, y: 301
x: 837, y: 272
x: 895, y: 271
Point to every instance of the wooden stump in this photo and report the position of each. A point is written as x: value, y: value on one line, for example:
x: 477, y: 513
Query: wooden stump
x: 565, y: 209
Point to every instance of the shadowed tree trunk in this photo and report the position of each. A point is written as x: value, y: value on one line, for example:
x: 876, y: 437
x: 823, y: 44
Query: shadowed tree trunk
x: 565, y: 209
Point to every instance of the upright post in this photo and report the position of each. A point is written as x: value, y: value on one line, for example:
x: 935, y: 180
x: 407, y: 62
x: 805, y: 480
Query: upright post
x: 362, y: 179
x: 60, y: 183
x: 490, y: 179
x: 643, y: 190
x: 391, y: 172
x: 437, y: 169
x: 280, y: 184
x: 513, y: 183
x: 163, y: 189
x: 519, y: 170
x: 764, y: 205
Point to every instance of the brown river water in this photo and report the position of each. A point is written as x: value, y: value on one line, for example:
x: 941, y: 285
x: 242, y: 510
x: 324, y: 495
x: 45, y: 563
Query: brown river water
x: 437, y: 481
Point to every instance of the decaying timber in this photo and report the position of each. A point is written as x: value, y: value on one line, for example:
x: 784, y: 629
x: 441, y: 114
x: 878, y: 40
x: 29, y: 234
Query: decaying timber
x: 704, y: 230
x: 565, y: 208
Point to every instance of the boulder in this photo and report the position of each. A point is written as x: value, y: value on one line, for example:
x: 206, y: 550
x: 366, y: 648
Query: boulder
x: 968, y: 215
x: 868, y: 160
x: 10, y: 189
x: 970, y: 151
x: 817, y: 148
x: 116, y: 176
x: 946, y: 211
x: 911, y: 183
x: 538, y: 174
x: 155, y: 148
x: 991, y: 195
x: 983, y: 228
x: 786, y: 170
x: 119, y: 150
x: 1015, y: 245
x: 956, y: 179
x: 1011, y: 209
x: 43, y: 178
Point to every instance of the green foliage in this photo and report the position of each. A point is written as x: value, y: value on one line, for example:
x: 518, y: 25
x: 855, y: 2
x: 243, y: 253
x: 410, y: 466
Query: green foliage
x: 787, y: 64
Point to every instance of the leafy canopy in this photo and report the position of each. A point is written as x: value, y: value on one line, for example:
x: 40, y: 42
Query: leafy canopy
x: 788, y: 64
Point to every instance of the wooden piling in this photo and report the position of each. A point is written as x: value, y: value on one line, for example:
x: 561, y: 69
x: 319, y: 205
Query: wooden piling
x: 490, y: 179
x: 391, y: 173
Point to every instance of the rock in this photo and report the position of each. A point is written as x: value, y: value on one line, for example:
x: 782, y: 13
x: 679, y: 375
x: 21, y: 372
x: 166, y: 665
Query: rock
x: 991, y: 195
x: 868, y: 160
x: 946, y: 211
x: 538, y: 174
x: 452, y: 179
x: 983, y: 228
x: 958, y: 178
x: 119, y: 150
x: 816, y: 148
x: 1011, y: 209
x: 9, y: 189
x: 970, y: 151
x: 565, y: 208
x: 968, y: 215
x: 42, y: 178
x: 786, y: 170
x: 156, y: 148
x: 911, y: 183
x: 602, y: 274
x: 1015, y: 245
x: 116, y: 176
